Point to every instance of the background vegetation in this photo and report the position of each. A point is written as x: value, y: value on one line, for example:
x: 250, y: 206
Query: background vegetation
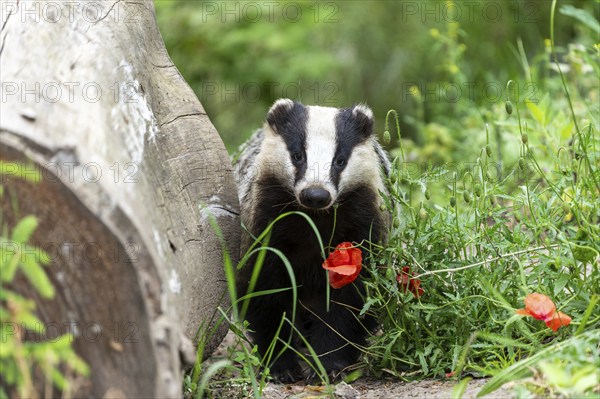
x: 495, y: 185
x: 239, y: 61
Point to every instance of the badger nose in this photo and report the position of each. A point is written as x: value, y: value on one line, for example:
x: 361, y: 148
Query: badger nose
x: 315, y: 197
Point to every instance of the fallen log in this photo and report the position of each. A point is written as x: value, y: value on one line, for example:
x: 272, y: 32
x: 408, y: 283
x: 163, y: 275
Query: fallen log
x: 131, y: 170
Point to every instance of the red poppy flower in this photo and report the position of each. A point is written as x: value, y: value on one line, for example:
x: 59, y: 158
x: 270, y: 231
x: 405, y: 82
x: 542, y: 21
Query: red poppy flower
x: 343, y: 264
x: 410, y: 284
x: 540, y: 307
x: 558, y: 319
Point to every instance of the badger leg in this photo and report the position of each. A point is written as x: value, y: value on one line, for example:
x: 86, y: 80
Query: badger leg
x: 337, y: 335
x: 265, y: 315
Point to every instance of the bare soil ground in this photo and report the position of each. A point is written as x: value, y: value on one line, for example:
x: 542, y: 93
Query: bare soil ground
x: 364, y: 388
x: 373, y: 389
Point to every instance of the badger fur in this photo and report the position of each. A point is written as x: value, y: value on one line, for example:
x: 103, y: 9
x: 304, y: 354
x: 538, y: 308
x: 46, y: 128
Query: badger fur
x: 314, y: 160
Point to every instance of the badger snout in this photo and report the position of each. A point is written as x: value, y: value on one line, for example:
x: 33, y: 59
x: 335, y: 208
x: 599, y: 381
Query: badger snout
x: 315, y: 198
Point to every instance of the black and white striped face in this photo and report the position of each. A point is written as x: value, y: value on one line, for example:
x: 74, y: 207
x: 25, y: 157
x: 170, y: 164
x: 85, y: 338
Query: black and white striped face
x: 325, y: 151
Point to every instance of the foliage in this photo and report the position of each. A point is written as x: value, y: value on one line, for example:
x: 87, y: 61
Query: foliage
x: 482, y: 235
x: 239, y: 59
x: 23, y: 361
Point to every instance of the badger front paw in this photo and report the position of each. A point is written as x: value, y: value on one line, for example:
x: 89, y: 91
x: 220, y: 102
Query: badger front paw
x: 287, y: 372
x: 336, y: 371
x: 314, y: 378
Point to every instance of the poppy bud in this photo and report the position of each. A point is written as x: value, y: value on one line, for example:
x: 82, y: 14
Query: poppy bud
x: 453, y: 201
x: 478, y: 190
x: 427, y: 194
x: 396, y: 223
x: 423, y: 214
x: 509, y: 107
x: 393, y: 177
x: 386, y: 137
x: 383, y: 208
x: 488, y: 150
x: 521, y: 163
x: 467, y: 197
x: 524, y: 138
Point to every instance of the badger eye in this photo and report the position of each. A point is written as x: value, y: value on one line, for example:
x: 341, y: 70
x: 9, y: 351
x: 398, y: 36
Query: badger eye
x: 297, y: 156
x: 340, y: 162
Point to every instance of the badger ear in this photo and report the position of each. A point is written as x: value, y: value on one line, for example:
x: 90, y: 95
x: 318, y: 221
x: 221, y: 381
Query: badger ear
x: 286, y: 117
x: 279, y: 112
x: 363, y: 116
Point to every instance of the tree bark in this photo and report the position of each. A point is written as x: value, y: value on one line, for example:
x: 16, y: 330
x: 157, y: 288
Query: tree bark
x: 131, y: 169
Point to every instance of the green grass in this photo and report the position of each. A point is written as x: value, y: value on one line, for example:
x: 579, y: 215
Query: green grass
x: 480, y: 239
x: 478, y: 248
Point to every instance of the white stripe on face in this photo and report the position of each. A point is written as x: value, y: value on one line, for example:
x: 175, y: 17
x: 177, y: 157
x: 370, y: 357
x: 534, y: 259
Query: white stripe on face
x: 320, y: 149
x: 363, y: 167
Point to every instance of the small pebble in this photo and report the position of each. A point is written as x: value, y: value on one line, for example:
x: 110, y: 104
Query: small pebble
x: 345, y: 391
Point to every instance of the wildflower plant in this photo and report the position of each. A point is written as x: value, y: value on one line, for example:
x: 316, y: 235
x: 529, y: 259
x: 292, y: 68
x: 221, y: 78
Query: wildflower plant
x: 482, y: 239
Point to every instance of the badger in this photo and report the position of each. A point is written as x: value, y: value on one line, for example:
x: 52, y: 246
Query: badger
x: 325, y: 162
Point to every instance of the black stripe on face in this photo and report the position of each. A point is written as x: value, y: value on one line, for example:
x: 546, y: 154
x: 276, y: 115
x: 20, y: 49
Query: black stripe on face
x: 290, y: 124
x: 351, y: 129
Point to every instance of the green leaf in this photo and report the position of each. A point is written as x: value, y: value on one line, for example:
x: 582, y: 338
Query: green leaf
x: 37, y: 276
x: 585, y: 378
x: 7, y: 350
x: 582, y: 16
x: 554, y: 372
x: 567, y: 131
x: 31, y: 322
x: 586, y: 315
x: 561, y: 282
x: 42, y: 256
x: 59, y: 379
x: 423, y: 363
x: 518, y: 370
x: 459, y: 389
x: 502, y: 340
x: 24, y: 229
x: 9, y: 268
x: 11, y: 372
x: 27, y: 173
x: 62, y: 344
x: 78, y: 365
x: 537, y: 112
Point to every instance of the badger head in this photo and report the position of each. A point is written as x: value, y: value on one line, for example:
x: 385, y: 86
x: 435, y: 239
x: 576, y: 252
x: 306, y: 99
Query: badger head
x: 321, y: 153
